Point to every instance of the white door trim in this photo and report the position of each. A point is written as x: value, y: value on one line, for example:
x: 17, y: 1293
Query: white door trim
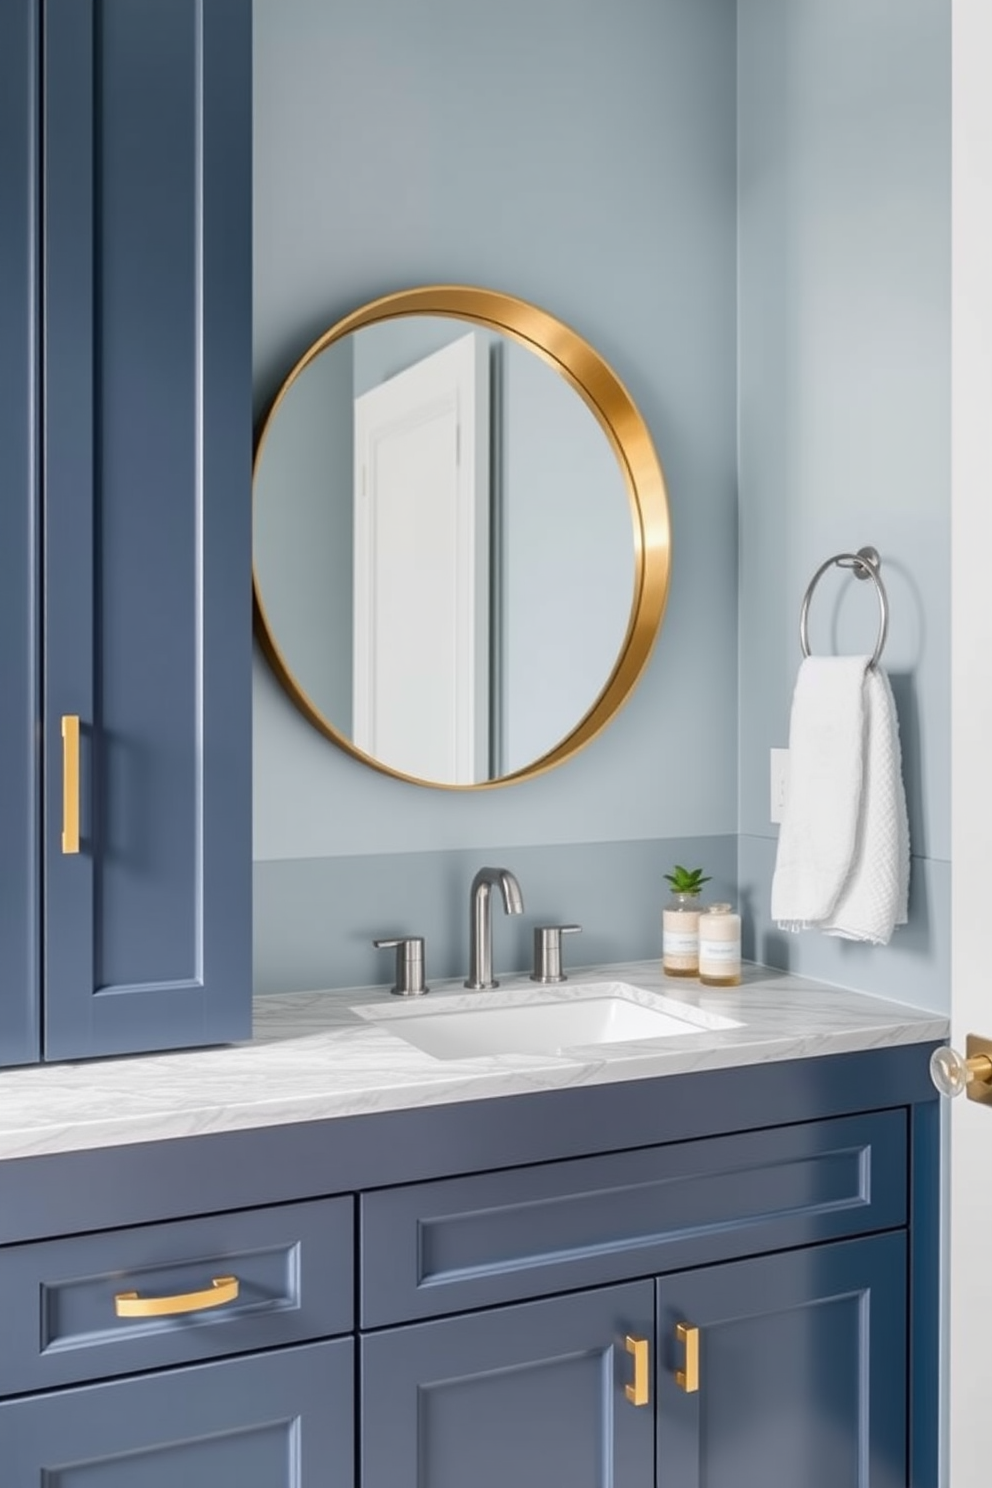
x: 968, y: 1273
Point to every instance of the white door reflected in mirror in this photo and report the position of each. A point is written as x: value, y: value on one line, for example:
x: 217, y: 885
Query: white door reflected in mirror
x: 420, y: 679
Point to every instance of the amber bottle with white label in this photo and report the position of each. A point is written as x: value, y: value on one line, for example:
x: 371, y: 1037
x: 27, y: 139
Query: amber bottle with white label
x: 720, y: 947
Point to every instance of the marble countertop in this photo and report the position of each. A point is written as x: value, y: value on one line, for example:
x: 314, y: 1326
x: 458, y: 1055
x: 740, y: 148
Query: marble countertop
x: 320, y: 1055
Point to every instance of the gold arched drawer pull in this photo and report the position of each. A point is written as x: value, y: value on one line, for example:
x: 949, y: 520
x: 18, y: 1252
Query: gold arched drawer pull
x: 638, y: 1392
x: 222, y: 1289
x: 687, y: 1379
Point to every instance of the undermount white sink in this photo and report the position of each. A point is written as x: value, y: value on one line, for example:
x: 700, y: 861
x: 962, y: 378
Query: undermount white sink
x: 524, y: 1023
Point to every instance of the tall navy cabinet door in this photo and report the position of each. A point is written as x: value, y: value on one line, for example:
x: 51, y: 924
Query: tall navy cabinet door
x: 802, y: 1370
x: 277, y: 1420
x: 147, y: 587
x: 518, y: 1397
x: 19, y: 705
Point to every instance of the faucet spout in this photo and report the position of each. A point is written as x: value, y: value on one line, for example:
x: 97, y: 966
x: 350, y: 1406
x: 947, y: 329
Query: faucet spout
x: 480, y: 977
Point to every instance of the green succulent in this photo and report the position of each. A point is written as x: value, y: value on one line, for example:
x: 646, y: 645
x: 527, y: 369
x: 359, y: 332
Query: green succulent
x: 687, y: 880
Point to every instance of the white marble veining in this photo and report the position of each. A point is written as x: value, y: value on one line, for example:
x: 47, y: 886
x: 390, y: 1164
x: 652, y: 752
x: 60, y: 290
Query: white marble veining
x: 321, y: 1055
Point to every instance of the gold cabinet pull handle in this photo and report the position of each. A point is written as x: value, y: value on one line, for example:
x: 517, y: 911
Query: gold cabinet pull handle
x: 70, y: 783
x: 687, y: 1379
x: 222, y: 1289
x: 638, y: 1393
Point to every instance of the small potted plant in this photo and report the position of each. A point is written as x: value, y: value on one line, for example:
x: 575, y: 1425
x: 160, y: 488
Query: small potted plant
x: 680, y: 922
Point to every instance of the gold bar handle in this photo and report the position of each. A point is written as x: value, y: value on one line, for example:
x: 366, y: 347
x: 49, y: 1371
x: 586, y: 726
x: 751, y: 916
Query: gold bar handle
x: 687, y: 1379
x: 70, y: 783
x: 222, y: 1289
x: 638, y: 1392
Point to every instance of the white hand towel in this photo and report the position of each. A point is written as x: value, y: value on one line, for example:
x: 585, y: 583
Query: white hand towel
x: 843, y: 850
x: 819, y: 827
x: 875, y: 896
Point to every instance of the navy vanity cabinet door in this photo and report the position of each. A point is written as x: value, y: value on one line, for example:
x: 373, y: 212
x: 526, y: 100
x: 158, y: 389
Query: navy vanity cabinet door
x: 147, y: 576
x: 19, y: 915
x: 278, y: 1420
x: 802, y: 1370
x: 518, y: 1397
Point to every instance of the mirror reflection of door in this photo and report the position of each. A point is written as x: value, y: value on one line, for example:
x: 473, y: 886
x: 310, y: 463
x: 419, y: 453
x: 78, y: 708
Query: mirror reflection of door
x: 421, y: 567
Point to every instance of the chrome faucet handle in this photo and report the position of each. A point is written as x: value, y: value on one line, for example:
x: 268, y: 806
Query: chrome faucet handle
x: 409, y: 964
x: 547, y: 952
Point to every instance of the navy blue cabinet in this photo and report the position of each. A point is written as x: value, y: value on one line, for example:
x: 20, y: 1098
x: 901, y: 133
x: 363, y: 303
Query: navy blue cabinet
x: 797, y: 1370
x: 19, y: 388
x: 751, y: 1309
x: 784, y: 1369
x: 279, y: 1420
x: 128, y: 176
x: 529, y: 1396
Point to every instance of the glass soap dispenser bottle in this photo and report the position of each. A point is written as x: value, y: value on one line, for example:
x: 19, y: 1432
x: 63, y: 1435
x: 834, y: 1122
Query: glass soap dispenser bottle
x: 720, y: 947
x: 680, y: 923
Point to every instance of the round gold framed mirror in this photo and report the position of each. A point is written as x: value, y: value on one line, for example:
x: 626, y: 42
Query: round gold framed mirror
x: 461, y: 549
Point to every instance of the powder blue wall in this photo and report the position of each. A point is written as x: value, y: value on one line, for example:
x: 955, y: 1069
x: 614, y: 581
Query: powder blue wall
x: 582, y: 156
x: 303, y: 530
x: 845, y: 417
x: 568, y: 557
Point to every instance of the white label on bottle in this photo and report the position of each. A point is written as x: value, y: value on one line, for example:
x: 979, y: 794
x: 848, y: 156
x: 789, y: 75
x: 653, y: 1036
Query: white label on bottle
x: 679, y: 943
x: 722, y: 951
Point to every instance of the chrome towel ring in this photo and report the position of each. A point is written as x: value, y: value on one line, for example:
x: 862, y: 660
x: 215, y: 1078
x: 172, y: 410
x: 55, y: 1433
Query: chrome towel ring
x: 865, y: 564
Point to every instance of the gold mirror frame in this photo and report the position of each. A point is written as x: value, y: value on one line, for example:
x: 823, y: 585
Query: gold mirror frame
x: 603, y: 392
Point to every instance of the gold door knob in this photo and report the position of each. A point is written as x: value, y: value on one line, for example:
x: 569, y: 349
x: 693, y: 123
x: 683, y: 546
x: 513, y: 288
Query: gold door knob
x: 971, y: 1072
x: 222, y: 1289
x: 639, y: 1392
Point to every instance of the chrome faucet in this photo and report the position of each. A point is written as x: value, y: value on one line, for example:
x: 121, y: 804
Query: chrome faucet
x: 480, y: 976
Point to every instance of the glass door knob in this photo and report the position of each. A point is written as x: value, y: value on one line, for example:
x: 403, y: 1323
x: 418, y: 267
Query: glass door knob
x: 952, y: 1073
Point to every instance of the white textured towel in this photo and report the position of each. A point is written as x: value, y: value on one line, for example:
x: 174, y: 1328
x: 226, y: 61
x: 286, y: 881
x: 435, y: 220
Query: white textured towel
x: 843, y: 850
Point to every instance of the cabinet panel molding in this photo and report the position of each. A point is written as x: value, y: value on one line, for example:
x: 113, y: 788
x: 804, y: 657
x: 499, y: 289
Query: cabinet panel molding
x: 802, y: 1369
x: 147, y: 559
x: 428, y: 1249
x: 279, y: 1420
x: 531, y: 1395
x: 292, y: 1264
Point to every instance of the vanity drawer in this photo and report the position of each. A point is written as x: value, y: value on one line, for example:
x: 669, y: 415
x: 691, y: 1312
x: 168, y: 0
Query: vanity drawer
x: 278, y: 1420
x: 433, y: 1248
x: 286, y: 1275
